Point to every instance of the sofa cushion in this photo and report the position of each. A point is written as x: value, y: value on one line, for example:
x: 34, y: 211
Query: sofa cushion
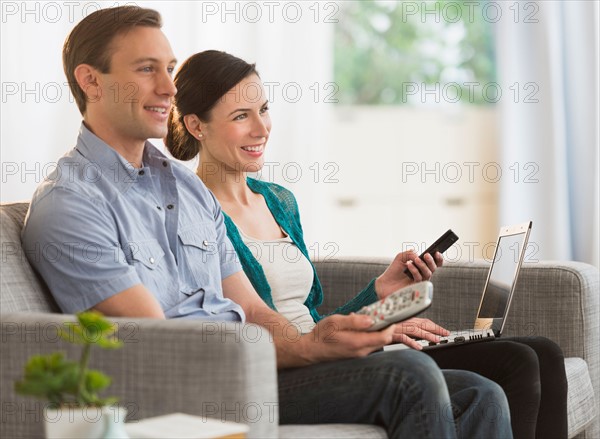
x: 331, y: 431
x: 21, y: 288
x: 555, y: 299
x: 580, y: 397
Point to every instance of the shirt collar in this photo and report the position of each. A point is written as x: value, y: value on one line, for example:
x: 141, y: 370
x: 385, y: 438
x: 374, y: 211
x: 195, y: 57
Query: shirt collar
x: 110, y: 161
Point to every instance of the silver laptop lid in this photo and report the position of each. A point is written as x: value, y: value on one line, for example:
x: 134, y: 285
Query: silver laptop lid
x: 502, y: 277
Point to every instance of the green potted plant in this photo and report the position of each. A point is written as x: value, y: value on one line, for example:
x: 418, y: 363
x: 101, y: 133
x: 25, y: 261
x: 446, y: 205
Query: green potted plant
x: 71, y: 389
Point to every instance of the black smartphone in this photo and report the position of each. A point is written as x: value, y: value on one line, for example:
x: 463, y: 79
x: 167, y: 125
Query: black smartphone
x: 442, y: 244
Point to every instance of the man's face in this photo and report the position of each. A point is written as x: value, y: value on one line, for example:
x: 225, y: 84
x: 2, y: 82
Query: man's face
x: 135, y: 96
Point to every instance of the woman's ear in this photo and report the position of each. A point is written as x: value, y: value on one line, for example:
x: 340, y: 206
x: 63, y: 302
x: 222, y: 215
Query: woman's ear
x: 193, y: 125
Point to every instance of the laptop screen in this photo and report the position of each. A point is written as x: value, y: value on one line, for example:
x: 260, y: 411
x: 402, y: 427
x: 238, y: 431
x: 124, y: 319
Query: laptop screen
x: 502, y: 276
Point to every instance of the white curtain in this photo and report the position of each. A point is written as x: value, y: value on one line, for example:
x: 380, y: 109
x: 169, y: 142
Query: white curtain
x: 39, y: 116
x: 548, y: 70
x: 291, y: 43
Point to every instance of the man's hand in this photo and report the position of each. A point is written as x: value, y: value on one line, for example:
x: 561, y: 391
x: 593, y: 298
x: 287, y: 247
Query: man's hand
x: 334, y: 338
x: 393, y: 278
x: 340, y: 336
x: 405, y: 331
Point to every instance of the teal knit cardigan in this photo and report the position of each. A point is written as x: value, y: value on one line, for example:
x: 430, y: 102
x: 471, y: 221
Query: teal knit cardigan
x: 282, y: 204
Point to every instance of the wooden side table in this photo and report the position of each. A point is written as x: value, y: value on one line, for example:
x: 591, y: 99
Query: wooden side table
x: 184, y: 426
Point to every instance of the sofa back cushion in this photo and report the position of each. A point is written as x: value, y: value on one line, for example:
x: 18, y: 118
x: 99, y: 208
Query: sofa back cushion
x: 21, y: 288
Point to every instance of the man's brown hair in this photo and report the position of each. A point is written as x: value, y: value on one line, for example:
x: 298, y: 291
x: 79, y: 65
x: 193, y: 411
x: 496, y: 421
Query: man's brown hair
x: 89, y: 42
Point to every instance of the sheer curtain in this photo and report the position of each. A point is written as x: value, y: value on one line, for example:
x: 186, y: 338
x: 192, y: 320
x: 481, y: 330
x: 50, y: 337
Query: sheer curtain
x: 548, y: 70
x: 39, y: 117
x: 291, y: 43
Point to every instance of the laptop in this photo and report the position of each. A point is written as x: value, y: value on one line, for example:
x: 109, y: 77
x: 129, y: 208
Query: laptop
x: 497, y: 293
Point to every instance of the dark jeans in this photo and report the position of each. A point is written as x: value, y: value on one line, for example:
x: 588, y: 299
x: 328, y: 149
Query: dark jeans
x: 402, y: 391
x: 531, y: 370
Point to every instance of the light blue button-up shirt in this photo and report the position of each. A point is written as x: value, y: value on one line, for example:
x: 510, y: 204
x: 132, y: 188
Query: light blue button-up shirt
x: 97, y: 226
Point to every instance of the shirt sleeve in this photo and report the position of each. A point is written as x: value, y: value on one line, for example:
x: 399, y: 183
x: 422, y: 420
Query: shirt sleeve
x: 228, y: 257
x: 364, y: 298
x: 72, y: 242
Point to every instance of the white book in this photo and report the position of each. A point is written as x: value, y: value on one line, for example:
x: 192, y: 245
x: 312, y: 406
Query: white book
x: 183, y: 426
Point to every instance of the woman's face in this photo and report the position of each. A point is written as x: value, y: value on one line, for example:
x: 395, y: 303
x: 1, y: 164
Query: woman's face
x: 237, y: 134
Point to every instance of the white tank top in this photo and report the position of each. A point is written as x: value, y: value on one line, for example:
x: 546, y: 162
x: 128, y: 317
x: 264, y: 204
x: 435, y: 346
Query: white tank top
x: 289, y: 274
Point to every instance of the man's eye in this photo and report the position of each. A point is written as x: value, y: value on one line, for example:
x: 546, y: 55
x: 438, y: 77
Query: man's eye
x: 170, y: 70
x: 146, y: 69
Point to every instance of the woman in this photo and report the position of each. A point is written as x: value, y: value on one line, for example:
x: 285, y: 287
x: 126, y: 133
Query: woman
x: 221, y: 113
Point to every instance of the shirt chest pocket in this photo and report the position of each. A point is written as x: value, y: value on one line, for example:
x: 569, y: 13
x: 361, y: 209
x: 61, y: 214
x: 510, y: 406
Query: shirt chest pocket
x: 149, y: 253
x: 199, y: 259
x: 153, y: 268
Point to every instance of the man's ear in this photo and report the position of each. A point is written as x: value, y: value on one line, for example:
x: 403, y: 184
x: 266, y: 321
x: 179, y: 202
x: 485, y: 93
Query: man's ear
x: 87, y: 79
x: 194, y: 125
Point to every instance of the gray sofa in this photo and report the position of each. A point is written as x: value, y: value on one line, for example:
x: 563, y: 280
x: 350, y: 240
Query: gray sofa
x: 227, y: 371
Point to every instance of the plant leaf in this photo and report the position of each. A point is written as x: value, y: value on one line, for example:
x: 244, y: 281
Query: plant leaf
x: 57, y: 379
x: 96, y: 380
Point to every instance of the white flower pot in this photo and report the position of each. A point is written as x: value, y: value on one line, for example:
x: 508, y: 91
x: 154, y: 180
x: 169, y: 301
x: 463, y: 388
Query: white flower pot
x: 85, y: 422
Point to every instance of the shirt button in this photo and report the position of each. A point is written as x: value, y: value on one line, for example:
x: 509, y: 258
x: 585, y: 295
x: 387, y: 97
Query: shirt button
x: 159, y: 208
x: 152, y: 260
x: 170, y: 206
x: 165, y: 164
x: 141, y: 173
x: 205, y: 243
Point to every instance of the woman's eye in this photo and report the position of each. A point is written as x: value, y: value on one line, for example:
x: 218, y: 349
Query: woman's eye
x: 240, y: 117
x: 264, y: 109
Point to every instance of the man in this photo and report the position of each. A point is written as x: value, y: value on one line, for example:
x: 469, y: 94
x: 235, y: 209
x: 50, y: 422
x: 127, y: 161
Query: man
x: 121, y: 229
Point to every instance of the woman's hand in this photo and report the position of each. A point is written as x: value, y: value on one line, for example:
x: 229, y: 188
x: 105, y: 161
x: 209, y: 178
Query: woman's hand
x: 393, y: 278
x: 406, y: 331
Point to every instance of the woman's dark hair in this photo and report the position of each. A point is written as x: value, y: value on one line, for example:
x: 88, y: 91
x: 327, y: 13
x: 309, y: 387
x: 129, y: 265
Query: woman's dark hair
x: 201, y: 81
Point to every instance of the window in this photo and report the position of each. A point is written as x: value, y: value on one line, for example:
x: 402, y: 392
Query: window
x: 415, y: 52
x: 417, y: 80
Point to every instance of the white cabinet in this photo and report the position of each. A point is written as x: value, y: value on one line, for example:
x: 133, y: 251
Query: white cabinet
x: 406, y: 175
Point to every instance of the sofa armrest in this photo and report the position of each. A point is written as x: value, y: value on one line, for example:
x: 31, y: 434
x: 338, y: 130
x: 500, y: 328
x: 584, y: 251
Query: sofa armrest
x: 557, y: 300
x: 219, y: 370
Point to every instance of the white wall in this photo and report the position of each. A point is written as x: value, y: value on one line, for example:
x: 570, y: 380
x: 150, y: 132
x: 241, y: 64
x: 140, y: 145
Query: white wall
x: 39, y: 122
x: 291, y: 48
x: 406, y: 175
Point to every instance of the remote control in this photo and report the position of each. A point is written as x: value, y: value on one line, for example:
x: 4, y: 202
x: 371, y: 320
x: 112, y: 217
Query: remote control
x: 400, y: 305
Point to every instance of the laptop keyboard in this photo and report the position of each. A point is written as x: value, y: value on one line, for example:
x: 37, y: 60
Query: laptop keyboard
x: 455, y: 338
x: 458, y: 337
